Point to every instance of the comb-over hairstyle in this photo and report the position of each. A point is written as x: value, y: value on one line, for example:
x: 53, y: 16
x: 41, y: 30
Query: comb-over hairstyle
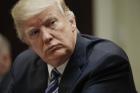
x: 24, y: 9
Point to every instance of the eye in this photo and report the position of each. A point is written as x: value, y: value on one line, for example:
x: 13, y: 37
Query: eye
x: 51, y: 22
x: 33, y: 32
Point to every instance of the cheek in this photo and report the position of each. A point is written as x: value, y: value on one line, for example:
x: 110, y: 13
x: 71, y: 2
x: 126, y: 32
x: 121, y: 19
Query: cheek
x: 67, y: 37
x: 36, y: 46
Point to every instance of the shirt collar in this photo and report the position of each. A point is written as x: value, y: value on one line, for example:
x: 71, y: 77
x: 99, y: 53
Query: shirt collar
x: 60, y: 68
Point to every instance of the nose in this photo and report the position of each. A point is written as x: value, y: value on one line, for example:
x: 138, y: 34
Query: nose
x: 46, y: 35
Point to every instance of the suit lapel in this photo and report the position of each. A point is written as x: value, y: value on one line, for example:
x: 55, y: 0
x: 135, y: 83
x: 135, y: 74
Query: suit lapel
x: 68, y: 79
x: 39, y: 77
x: 74, y: 67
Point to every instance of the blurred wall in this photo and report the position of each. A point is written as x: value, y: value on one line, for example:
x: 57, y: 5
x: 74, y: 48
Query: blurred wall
x: 119, y: 21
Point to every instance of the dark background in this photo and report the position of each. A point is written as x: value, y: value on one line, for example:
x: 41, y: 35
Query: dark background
x: 81, y: 8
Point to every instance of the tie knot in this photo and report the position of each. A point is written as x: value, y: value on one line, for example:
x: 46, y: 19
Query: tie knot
x: 55, y: 74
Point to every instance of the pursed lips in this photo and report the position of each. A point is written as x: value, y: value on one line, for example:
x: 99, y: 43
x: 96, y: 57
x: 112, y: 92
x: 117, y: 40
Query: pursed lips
x: 52, y: 48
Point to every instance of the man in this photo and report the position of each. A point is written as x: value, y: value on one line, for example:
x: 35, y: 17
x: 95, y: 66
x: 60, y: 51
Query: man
x: 60, y: 59
x: 5, y: 63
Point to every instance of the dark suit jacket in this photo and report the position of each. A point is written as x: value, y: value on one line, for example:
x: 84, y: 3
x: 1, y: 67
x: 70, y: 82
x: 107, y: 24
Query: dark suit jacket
x: 4, y: 84
x: 96, y: 66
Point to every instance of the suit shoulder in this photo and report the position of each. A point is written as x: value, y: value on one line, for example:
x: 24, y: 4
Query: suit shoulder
x: 101, y: 47
x: 105, y: 57
x: 101, y: 51
x: 107, y: 62
x: 23, y: 62
x: 26, y: 55
x: 103, y: 54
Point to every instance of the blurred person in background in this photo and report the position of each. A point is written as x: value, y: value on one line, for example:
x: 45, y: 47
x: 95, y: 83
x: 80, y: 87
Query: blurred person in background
x: 5, y: 63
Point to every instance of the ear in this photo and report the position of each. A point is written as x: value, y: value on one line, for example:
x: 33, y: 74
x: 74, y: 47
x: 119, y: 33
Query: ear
x: 71, y: 18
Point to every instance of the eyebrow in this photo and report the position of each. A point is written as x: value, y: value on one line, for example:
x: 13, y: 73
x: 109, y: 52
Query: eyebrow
x: 44, y: 21
x: 48, y: 19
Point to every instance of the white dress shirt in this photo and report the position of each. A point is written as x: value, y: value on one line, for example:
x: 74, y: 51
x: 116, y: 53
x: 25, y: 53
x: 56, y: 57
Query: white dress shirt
x: 60, y: 69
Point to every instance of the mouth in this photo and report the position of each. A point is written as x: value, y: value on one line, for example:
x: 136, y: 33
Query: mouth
x: 53, y: 48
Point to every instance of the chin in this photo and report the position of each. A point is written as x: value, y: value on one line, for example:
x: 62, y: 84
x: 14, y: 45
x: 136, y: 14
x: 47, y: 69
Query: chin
x: 57, y: 57
x: 56, y: 60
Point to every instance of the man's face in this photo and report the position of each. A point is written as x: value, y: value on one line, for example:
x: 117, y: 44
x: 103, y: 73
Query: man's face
x: 5, y: 63
x: 51, y: 34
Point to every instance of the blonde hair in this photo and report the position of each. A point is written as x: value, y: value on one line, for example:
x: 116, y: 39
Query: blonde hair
x: 27, y: 8
x: 4, y: 45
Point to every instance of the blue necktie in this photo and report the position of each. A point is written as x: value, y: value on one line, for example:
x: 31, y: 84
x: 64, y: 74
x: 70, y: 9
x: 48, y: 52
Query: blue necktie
x: 54, y: 81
